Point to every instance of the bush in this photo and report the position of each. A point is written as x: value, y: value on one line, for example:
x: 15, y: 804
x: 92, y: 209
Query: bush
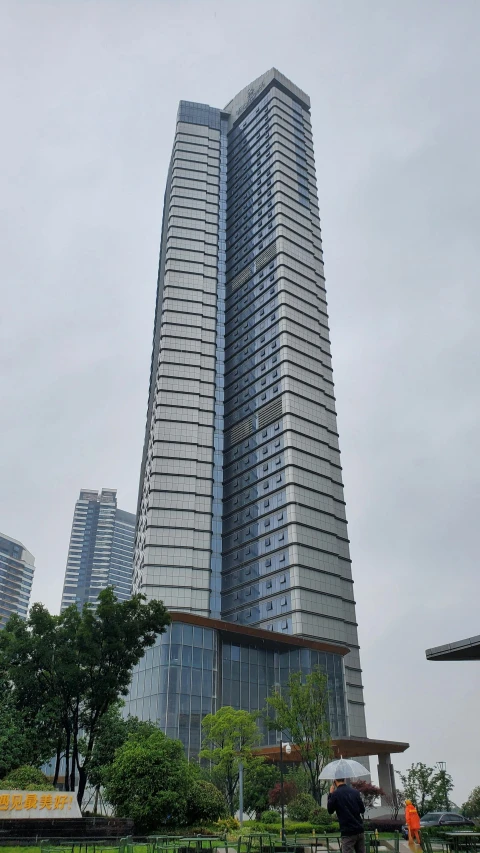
x: 150, y: 781
x: 297, y: 826
x: 320, y: 816
x: 26, y: 778
x: 442, y: 831
x: 302, y: 807
x: 228, y: 824
x: 206, y: 803
x: 271, y: 816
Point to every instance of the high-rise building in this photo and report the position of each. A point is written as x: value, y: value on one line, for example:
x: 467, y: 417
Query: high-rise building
x: 17, y: 566
x: 242, y: 527
x: 101, y: 549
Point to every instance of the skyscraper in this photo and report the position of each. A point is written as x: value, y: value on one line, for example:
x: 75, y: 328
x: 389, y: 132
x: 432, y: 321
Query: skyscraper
x: 17, y: 566
x: 242, y: 527
x: 101, y: 549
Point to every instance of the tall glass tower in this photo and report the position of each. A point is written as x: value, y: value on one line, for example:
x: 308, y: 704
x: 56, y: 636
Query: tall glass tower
x: 242, y: 526
x: 101, y: 549
x: 17, y: 567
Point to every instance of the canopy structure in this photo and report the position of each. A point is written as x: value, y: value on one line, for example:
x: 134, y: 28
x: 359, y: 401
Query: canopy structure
x: 468, y: 649
x: 353, y: 747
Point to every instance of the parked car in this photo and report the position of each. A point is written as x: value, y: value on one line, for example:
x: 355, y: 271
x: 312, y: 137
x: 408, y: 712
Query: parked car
x: 440, y: 819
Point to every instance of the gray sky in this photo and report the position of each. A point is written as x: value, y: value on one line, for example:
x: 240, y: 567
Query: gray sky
x: 89, y: 92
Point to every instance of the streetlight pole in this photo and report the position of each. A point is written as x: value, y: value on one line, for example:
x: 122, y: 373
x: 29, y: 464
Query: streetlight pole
x: 288, y: 750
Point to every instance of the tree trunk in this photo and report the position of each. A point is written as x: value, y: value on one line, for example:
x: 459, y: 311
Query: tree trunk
x: 82, y: 783
x: 95, y: 805
x: 67, y: 759
x: 57, y: 761
x: 75, y: 750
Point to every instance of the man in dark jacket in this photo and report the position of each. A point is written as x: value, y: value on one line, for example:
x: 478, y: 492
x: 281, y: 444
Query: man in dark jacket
x: 349, y: 806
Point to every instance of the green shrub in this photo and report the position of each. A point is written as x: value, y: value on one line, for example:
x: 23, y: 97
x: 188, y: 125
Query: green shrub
x: 302, y: 808
x: 271, y: 816
x: 228, y: 824
x: 320, y: 816
x: 331, y: 827
x: 26, y: 778
x: 206, y: 803
x: 150, y: 781
x: 442, y: 831
x: 307, y: 827
x: 299, y: 826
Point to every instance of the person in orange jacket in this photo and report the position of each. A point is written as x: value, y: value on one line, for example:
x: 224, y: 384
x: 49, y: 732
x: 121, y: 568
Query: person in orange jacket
x: 412, y: 820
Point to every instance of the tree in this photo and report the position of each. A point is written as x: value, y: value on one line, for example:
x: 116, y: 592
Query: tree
x: 301, y: 715
x: 150, y: 781
x: 472, y: 807
x: 426, y: 787
x: 299, y: 777
x: 396, y: 802
x: 302, y: 807
x: 113, y: 731
x: 27, y: 730
x: 259, y: 778
x: 228, y: 738
x: 206, y: 804
x: 14, y: 739
x: 26, y: 778
x: 74, y: 667
x: 283, y: 794
x: 368, y: 792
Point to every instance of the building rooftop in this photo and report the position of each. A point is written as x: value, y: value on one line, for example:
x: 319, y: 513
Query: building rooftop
x: 468, y: 649
x: 270, y: 639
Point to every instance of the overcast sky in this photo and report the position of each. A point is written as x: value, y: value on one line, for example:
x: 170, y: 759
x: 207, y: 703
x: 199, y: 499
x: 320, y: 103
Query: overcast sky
x: 89, y: 92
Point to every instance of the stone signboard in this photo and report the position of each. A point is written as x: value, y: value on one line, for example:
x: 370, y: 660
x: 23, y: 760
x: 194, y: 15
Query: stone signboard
x: 38, y: 804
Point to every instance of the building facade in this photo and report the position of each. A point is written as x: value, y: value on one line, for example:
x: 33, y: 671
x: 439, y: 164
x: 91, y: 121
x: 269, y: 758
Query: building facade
x: 101, y: 549
x: 17, y: 567
x: 241, y: 513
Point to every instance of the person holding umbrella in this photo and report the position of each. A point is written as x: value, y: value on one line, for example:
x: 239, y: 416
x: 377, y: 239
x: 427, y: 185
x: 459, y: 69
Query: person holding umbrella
x: 347, y: 802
